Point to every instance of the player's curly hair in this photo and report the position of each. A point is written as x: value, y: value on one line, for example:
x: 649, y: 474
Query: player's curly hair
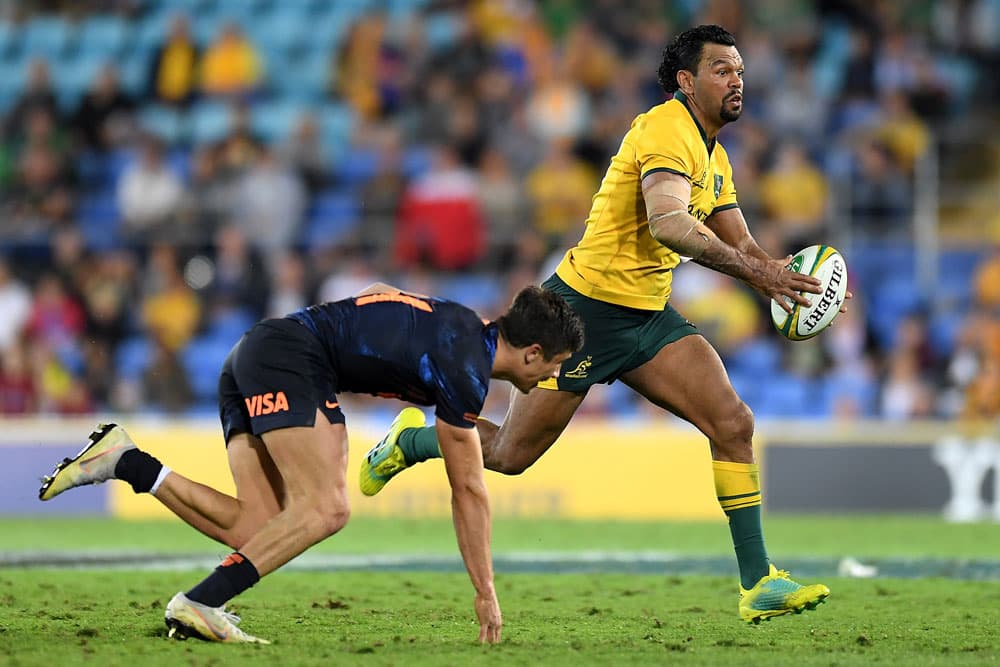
x: 541, y: 316
x: 685, y: 52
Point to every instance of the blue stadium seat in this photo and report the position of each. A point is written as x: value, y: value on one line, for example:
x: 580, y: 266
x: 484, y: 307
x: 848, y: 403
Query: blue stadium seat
x: 336, y: 123
x: 759, y: 356
x: 481, y: 292
x: 332, y: 216
x: 230, y: 324
x: 132, y: 357
x: 162, y: 122
x: 357, y: 167
x: 303, y: 79
x: 209, y: 122
x: 417, y: 161
x: 274, y: 121
x: 98, y: 220
x: 103, y: 35
x: 202, y: 358
x: 48, y: 37
x: 786, y: 396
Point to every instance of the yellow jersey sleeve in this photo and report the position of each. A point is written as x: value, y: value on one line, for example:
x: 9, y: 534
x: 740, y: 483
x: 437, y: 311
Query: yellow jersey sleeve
x: 659, y: 146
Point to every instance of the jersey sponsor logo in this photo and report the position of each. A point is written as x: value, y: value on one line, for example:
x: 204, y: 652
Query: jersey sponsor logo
x: 265, y: 404
x: 232, y: 559
x: 581, y: 369
x: 717, y: 188
x: 411, y: 301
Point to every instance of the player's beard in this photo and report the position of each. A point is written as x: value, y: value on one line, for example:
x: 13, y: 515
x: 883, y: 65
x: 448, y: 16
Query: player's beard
x: 729, y: 115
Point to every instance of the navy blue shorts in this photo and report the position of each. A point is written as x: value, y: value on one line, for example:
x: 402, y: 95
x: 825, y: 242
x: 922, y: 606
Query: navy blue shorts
x: 276, y: 376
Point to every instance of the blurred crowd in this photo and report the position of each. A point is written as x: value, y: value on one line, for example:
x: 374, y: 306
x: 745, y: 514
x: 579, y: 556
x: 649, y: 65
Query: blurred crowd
x: 241, y: 159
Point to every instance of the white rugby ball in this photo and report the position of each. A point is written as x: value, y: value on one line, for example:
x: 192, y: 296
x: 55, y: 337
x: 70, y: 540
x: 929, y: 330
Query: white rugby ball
x: 829, y: 267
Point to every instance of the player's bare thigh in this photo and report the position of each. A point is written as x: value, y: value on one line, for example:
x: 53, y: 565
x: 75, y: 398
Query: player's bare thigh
x: 259, y: 487
x: 687, y: 378
x: 311, y: 461
x: 533, y: 423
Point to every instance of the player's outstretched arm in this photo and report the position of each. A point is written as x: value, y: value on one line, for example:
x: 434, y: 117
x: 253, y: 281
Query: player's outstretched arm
x: 730, y: 226
x: 470, y: 507
x: 667, y: 195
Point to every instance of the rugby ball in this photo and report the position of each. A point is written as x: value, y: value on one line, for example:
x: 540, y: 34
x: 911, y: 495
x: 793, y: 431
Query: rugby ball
x: 829, y: 267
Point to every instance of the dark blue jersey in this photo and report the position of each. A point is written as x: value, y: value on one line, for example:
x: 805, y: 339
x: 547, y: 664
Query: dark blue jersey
x: 426, y: 351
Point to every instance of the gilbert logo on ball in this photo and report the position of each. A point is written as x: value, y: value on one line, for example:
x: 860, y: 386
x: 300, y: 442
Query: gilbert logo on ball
x: 828, y: 266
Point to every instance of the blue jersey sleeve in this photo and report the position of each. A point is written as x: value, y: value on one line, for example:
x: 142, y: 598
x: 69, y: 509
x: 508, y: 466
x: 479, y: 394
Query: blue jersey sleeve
x: 461, y: 390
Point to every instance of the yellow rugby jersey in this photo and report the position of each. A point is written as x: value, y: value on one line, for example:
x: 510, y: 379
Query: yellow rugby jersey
x: 618, y: 260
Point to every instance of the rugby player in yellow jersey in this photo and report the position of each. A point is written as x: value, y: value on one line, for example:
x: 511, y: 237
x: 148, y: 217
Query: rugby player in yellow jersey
x: 668, y: 192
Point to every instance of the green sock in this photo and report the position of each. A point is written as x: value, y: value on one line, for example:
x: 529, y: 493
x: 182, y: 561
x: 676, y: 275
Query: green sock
x: 419, y: 444
x: 748, y: 540
x: 737, y: 486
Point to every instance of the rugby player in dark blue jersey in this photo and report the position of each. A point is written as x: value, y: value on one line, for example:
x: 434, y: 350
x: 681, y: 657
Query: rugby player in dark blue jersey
x: 287, y: 443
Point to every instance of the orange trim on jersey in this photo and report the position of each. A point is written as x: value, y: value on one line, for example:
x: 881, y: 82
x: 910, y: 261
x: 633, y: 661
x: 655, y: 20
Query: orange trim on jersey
x: 468, y: 416
x: 331, y: 406
x: 411, y: 301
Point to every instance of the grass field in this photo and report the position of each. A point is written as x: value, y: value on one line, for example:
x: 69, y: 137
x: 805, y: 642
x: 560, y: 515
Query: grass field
x: 114, y: 617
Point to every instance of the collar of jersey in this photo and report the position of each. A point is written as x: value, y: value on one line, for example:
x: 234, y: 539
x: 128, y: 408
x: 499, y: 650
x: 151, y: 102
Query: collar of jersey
x: 682, y: 98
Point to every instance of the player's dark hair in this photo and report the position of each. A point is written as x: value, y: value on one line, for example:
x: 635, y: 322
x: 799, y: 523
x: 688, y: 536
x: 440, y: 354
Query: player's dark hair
x: 542, y: 316
x: 685, y: 52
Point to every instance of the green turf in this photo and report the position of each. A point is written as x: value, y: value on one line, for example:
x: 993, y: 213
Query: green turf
x: 862, y: 536
x: 103, y: 618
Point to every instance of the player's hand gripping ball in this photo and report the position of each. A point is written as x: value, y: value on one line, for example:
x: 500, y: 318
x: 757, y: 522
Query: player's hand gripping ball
x: 828, y: 266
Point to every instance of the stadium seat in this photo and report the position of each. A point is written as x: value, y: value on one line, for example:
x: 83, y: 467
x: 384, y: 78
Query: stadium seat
x: 785, y: 396
x: 98, y: 220
x: 132, y: 357
x: 759, y: 356
x: 230, y: 324
x: 47, y: 37
x: 357, y: 167
x: 331, y: 217
x: 209, y: 122
x: 162, y: 122
x: 103, y: 35
x: 202, y: 358
x: 274, y: 121
x: 336, y: 123
x: 481, y: 292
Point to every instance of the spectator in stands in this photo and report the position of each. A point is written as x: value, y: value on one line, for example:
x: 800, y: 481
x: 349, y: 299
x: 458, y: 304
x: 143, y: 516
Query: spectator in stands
x: 104, y: 118
x: 982, y: 399
x: 39, y: 197
x: 165, y: 382
x: 170, y: 309
x: 15, y: 304
x: 38, y: 94
x: 794, y: 194
x: 172, y: 69
x: 289, y: 288
x: 881, y: 196
x: 231, y: 66
x: 18, y: 393
x: 381, y: 197
x: 505, y: 207
x: 906, y: 394
x: 108, y: 295
x: 902, y: 132
x: 56, y: 319
x: 558, y: 107
x: 560, y: 189
x: 241, y: 278
x: 986, y: 283
x: 149, y: 194
x: 208, y: 198
x: 270, y: 201
x: 305, y: 153
x: 440, y: 223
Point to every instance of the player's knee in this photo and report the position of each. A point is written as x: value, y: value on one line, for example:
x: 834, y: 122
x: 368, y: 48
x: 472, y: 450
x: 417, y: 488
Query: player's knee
x: 743, y: 423
x: 332, y: 519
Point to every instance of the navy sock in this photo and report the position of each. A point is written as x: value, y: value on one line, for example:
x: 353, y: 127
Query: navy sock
x: 232, y: 577
x: 138, y: 469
